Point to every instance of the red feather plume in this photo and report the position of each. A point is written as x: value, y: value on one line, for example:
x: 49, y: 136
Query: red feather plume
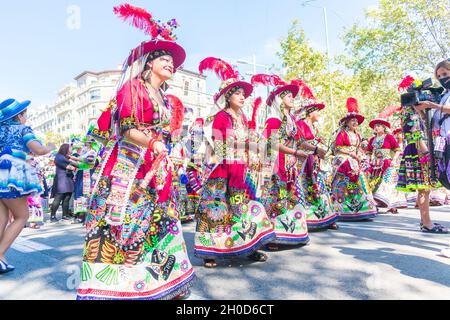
x: 389, y: 111
x: 256, y: 105
x: 267, y: 80
x: 406, y: 82
x: 176, y: 122
x: 141, y: 19
x: 220, y: 67
x: 352, y: 105
x: 305, y: 91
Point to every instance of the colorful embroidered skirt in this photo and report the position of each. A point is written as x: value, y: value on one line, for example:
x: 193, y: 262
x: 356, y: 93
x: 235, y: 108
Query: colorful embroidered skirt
x: 384, y: 188
x: 17, y: 178
x: 286, y: 214
x: 144, y: 258
x: 229, y: 224
x: 352, y: 197
x: 313, y: 190
x: 414, y: 173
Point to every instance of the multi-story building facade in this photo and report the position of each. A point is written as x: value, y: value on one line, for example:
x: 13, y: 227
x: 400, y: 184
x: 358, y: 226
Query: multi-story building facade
x: 79, y: 104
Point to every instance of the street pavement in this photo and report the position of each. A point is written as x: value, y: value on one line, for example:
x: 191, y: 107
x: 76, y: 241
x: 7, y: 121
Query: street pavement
x: 388, y: 258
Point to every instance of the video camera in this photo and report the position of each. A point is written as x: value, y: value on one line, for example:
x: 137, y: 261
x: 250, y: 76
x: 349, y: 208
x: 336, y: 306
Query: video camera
x: 421, y: 91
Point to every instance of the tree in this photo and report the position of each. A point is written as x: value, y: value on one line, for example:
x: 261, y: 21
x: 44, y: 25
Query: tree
x: 399, y: 36
x: 55, y: 138
x: 301, y: 61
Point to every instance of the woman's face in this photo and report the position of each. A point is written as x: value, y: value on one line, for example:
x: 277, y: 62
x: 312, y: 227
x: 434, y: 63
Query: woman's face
x: 443, y: 76
x: 315, y: 116
x: 352, y: 123
x: 162, y: 67
x: 237, y: 99
x: 288, y: 101
x: 378, y: 128
x: 442, y: 73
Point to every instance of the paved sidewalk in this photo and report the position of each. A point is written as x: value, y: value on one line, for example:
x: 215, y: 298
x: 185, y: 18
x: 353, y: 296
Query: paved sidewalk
x: 388, y: 258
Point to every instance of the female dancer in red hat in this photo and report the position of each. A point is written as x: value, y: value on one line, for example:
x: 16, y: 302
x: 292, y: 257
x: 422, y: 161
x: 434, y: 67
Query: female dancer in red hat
x: 279, y: 195
x: 230, y: 220
x: 351, y: 192
x: 134, y: 244
x: 384, y: 164
x: 322, y: 214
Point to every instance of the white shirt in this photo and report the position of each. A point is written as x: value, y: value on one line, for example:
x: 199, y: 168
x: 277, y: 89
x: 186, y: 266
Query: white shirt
x: 445, y: 128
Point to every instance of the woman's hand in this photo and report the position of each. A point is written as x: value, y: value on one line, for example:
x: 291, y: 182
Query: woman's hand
x: 51, y: 146
x: 426, y: 105
x: 321, y: 153
x: 300, y: 155
x: 159, y: 147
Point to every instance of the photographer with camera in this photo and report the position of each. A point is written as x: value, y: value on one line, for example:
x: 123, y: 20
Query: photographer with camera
x: 441, y: 126
x: 426, y: 164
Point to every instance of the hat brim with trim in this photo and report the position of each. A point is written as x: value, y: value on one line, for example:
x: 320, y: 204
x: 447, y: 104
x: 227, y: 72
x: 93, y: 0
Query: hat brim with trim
x: 176, y: 51
x: 290, y: 87
x: 248, y: 89
x: 11, y: 108
x: 319, y: 106
x: 379, y: 121
x: 349, y: 116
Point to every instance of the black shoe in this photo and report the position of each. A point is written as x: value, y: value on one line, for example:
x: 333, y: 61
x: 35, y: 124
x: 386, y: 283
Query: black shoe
x: 66, y: 218
x: 53, y: 219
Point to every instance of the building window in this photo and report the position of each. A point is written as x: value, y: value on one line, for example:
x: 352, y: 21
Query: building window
x: 95, y: 95
x: 186, y: 88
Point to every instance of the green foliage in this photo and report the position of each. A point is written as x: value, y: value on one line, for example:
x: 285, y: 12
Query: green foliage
x: 399, y: 36
x: 55, y: 138
x: 396, y: 38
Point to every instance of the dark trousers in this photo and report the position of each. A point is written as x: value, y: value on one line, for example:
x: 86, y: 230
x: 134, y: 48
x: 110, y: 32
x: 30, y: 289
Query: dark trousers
x: 63, y: 198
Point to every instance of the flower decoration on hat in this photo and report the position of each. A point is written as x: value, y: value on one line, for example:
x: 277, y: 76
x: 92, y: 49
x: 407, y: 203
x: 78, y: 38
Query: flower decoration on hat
x: 143, y: 20
x: 162, y: 37
x: 228, y: 76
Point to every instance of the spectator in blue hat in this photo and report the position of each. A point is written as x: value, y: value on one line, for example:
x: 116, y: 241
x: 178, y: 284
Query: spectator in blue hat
x: 18, y: 180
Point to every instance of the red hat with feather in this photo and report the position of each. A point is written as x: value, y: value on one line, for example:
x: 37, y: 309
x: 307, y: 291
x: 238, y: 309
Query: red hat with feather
x: 229, y: 77
x: 281, y: 87
x: 307, y: 93
x: 352, y: 112
x: 162, y: 39
x: 383, y: 116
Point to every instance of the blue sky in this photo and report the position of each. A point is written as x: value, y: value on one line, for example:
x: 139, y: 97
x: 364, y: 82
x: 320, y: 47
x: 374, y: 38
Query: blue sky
x: 40, y: 53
